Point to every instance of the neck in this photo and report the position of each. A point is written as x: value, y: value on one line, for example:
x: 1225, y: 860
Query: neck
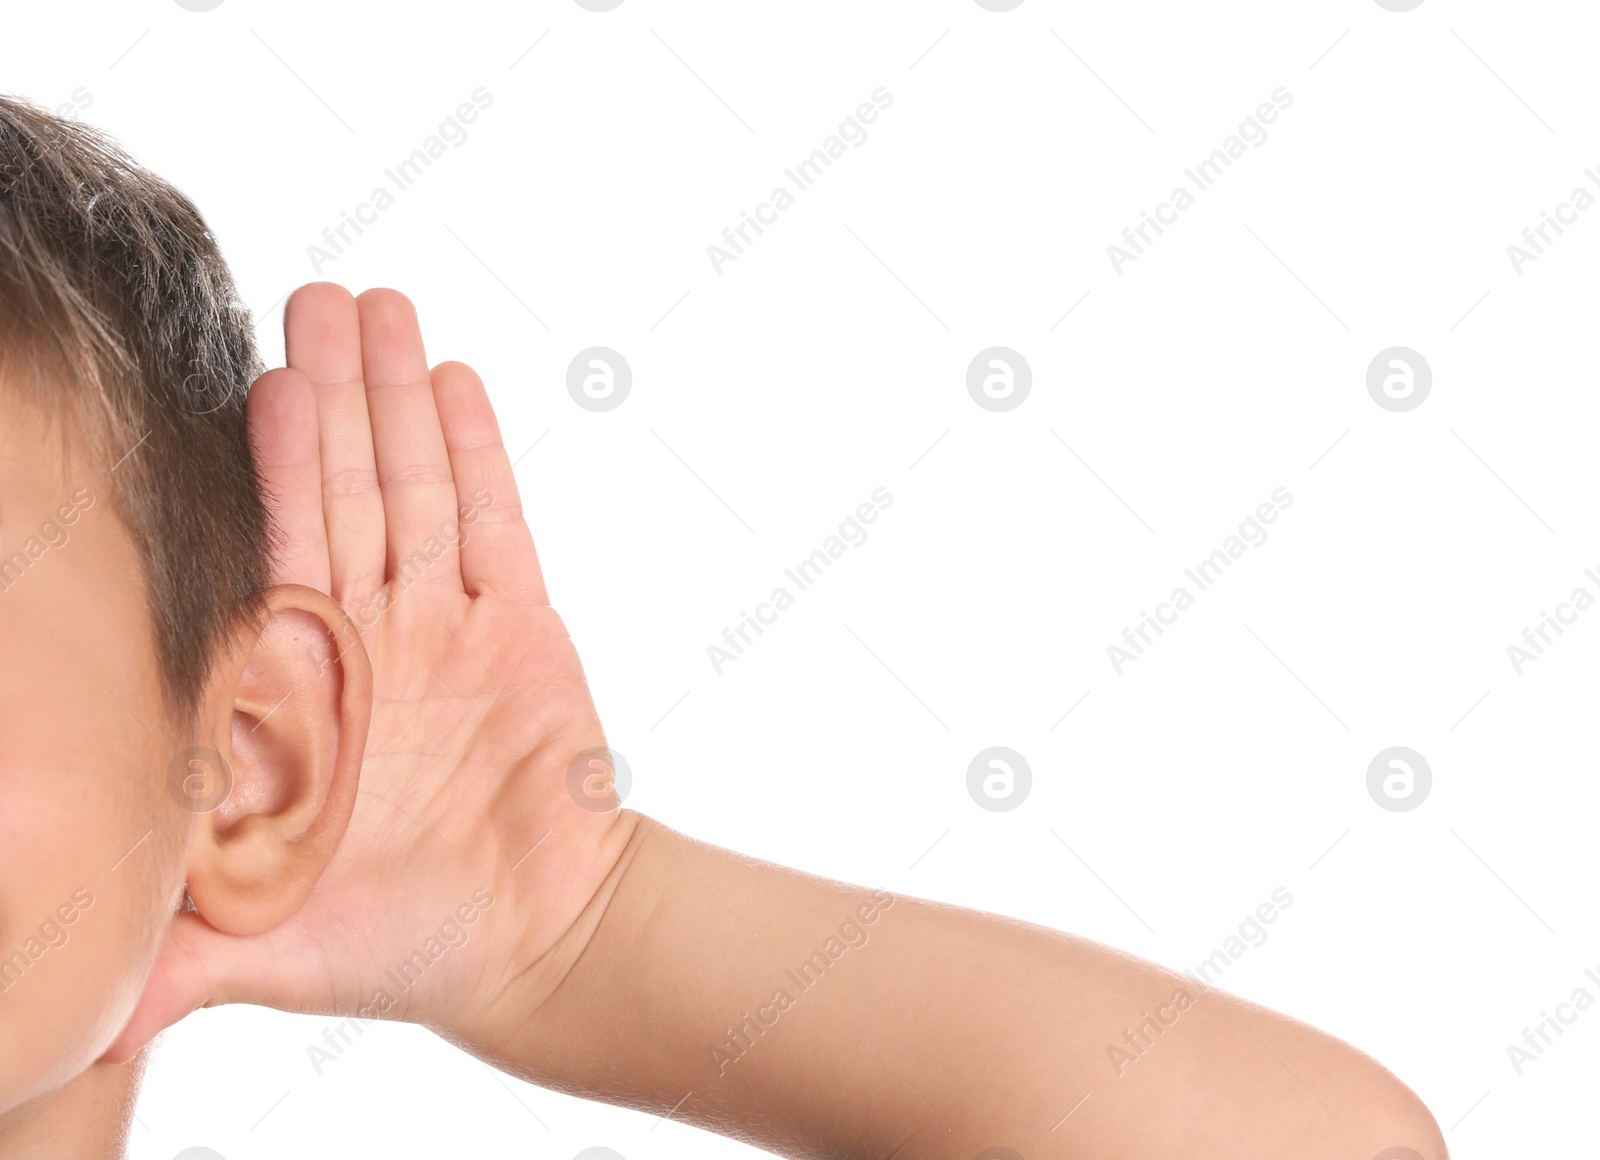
x: 89, y: 1117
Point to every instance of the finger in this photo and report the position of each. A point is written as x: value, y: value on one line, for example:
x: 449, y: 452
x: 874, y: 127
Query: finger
x: 281, y: 416
x: 419, y: 494
x: 497, y: 552
x: 198, y: 966
x: 322, y: 332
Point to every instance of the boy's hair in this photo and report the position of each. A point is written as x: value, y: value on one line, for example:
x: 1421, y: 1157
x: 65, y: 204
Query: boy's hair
x: 118, y: 313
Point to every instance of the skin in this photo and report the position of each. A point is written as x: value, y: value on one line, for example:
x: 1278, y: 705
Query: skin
x: 616, y: 958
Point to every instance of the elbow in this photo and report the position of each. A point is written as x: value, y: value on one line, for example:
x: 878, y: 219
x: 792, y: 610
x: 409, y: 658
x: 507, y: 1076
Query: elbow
x: 1396, y: 1125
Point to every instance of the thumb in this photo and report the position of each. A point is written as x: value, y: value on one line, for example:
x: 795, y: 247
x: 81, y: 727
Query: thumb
x: 197, y: 966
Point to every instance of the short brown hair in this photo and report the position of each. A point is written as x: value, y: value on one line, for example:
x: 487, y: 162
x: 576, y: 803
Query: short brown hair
x: 117, y: 310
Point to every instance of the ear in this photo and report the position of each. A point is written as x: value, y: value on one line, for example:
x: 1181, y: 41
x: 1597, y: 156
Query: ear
x: 273, y: 782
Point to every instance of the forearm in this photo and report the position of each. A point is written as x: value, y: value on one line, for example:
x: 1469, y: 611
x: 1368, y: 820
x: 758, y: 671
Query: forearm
x: 818, y: 1019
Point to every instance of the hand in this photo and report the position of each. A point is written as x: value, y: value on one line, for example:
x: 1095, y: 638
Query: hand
x: 393, y: 493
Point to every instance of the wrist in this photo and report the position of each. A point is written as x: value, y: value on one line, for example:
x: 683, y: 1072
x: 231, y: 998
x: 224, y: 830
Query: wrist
x: 519, y: 1023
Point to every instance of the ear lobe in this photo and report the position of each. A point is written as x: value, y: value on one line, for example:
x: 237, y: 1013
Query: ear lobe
x: 287, y: 718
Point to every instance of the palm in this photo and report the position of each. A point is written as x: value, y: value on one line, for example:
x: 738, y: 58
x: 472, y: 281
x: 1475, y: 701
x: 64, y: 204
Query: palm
x: 479, y: 698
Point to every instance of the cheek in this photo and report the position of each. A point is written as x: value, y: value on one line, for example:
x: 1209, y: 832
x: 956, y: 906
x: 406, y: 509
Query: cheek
x: 91, y: 854
x: 87, y: 828
x: 90, y: 876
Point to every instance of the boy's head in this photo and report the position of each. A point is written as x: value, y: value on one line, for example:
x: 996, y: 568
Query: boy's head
x: 118, y: 314
x: 142, y: 650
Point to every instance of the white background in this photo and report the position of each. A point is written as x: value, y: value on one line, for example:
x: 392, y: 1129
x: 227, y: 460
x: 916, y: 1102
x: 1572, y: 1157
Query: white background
x: 830, y: 360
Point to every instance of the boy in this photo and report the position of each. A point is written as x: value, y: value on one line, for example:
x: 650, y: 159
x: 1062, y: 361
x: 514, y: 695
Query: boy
x: 345, y: 761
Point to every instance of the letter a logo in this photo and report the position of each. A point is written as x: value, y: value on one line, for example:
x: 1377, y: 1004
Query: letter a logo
x: 998, y: 379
